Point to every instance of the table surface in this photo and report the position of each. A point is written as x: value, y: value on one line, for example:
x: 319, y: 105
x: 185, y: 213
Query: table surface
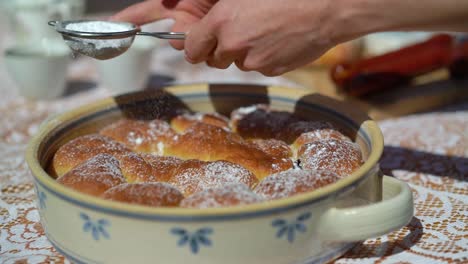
x: 427, y: 150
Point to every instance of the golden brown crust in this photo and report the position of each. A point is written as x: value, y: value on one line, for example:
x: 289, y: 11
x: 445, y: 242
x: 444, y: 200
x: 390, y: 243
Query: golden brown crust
x: 141, y: 135
x: 195, y: 175
x: 94, y: 176
x: 303, y: 132
x: 137, y: 169
x: 341, y: 157
x: 182, y: 122
x: 273, y: 147
x: 226, y: 196
x: 291, y: 182
x: 82, y: 148
x: 207, y: 161
x: 152, y: 194
x: 164, y: 167
x: 210, y: 143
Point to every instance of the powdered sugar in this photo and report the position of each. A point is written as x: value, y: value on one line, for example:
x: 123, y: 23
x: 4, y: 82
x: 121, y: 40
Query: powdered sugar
x: 160, y: 148
x: 98, y: 27
x: 241, y: 111
x: 139, y: 135
x: 214, y: 174
x: 135, y: 168
x: 152, y: 194
x: 197, y: 116
x: 341, y: 157
x: 292, y: 182
x: 83, y: 148
x: 95, y: 175
x: 260, y: 156
x: 228, y: 195
x: 92, y: 47
x: 133, y: 138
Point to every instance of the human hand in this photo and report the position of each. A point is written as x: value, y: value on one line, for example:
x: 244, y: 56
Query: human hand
x: 274, y: 37
x: 271, y: 37
x: 185, y: 13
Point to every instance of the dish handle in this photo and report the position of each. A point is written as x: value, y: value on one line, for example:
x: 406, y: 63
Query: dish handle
x: 363, y: 222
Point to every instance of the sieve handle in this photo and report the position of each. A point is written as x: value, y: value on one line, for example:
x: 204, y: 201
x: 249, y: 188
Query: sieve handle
x: 164, y: 35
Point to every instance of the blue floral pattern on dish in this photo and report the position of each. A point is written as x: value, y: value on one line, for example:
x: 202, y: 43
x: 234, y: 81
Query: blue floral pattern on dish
x: 195, y: 239
x: 289, y: 229
x: 97, y: 228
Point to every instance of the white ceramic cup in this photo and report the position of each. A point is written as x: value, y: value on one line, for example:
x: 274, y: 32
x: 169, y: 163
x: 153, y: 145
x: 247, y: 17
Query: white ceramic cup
x: 29, y: 17
x: 40, y: 73
x: 129, y: 71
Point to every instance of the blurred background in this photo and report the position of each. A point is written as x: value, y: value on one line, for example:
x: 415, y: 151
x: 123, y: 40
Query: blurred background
x: 372, y: 71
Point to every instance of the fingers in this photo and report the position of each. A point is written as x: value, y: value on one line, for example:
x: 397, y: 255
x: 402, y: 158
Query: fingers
x: 145, y: 12
x: 219, y: 63
x: 183, y: 23
x: 200, y: 42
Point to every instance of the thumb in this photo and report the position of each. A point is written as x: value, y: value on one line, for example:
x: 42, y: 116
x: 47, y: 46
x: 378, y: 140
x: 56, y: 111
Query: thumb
x: 145, y: 12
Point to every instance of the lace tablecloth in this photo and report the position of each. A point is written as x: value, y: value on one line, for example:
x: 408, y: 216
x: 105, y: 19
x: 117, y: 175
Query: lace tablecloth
x: 429, y: 151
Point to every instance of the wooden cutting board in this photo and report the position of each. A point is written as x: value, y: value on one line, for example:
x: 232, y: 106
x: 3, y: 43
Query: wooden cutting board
x: 426, y: 93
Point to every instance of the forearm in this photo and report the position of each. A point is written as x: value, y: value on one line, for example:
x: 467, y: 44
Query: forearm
x: 360, y: 17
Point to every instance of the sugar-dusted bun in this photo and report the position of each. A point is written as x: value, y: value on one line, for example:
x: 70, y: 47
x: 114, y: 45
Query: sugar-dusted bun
x: 194, y: 175
x: 210, y: 143
x: 341, y: 157
x: 302, y: 132
x: 225, y: 196
x: 202, y: 141
x: 164, y: 167
x: 273, y: 147
x: 260, y: 121
x: 141, y: 135
x: 291, y: 182
x: 81, y: 149
x: 137, y: 169
x: 181, y: 122
x: 158, y: 194
x: 95, y: 175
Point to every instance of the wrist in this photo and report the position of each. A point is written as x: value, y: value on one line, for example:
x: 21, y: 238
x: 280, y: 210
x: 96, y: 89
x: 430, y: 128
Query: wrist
x: 357, y: 18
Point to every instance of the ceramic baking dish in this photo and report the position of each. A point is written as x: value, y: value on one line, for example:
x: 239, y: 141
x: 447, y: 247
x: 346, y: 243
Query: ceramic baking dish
x: 313, y: 227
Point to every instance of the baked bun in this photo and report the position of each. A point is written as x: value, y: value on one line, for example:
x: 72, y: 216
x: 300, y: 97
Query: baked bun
x: 260, y: 121
x: 273, y: 147
x: 206, y: 160
x: 204, y: 142
x: 157, y: 194
x: 82, y: 148
x: 137, y: 169
x: 291, y: 182
x: 341, y: 157
x: 141, y: 135
x: 164, y: 167
x: 94, y: 176
x: 226, y: 196
x: 195, y: 175
x: 210, y: 143
x: 303, y: 132
x: 181, y: 122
